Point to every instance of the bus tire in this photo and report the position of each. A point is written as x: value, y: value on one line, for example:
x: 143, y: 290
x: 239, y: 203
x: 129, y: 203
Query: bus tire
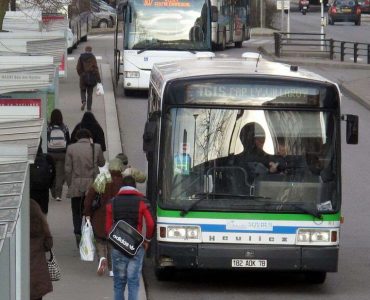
x: 128, y: 93
x: 164, y: 274
x: 238, y: 44
x: 222, y: 45
x: 315, y: 277
x: 84, y: 38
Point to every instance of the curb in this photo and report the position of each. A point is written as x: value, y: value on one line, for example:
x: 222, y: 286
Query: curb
x: 114, y: 144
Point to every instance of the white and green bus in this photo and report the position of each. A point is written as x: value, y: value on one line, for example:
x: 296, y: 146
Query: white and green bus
x: 218, y: 205
x: 156, y: 31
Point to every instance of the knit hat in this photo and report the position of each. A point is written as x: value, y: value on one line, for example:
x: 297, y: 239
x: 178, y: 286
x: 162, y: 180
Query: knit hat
x: 123, y: 158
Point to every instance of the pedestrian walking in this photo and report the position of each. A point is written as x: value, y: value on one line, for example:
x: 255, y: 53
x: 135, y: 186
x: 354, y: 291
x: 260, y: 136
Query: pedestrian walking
x: 81, y: 166
x: 42, y: 176
x: 131, y: 206
x: 41, y: 241
x: 107, y: 187
x: 87, y: 69
x: 89, y: 122
x: 58, y: 140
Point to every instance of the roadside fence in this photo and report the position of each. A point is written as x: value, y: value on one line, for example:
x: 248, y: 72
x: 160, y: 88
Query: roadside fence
x: 316, y: 44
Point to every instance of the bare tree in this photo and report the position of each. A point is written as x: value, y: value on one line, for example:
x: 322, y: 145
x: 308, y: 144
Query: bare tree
x: 46, y: 6
x: 4, y: 4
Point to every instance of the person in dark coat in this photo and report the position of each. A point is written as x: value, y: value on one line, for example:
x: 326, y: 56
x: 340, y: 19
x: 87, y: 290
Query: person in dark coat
x: 87, y: 64
x: 89, y: 122
x: 41, y: 241
x: 98, y: 216
x: 40, y: 191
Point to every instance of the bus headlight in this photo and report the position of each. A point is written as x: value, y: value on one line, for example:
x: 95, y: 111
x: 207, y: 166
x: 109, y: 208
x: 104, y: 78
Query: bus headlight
x: 316, y: 236
x: 183, y: 232
x: 132, y: 74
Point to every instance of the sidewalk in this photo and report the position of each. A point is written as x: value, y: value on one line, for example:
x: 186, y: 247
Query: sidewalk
x: 79, y: 279
x: 352, y: 78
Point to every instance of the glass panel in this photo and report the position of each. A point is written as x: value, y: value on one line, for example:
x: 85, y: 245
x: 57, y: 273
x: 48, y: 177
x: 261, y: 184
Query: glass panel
x: 171, y: 25
x: 250, y: 160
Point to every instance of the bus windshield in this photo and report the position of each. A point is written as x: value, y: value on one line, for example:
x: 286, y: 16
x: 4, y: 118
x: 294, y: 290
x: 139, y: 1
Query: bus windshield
x: 229, y: 159
x: 167, y: 25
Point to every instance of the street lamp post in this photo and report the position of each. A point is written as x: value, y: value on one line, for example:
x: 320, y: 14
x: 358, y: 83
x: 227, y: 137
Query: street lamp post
x: 322, y: 25
x: 195, y: 134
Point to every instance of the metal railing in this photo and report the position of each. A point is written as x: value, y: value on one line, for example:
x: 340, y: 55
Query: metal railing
x: 317, y: 44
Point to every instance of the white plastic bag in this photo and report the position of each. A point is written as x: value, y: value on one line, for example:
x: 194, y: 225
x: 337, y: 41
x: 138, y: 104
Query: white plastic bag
x: 99, y: 89
x: 87, y: 247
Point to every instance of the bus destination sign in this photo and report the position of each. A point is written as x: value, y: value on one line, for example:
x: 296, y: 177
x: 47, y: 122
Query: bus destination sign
x: 167, y: 3
x: 253, y: 94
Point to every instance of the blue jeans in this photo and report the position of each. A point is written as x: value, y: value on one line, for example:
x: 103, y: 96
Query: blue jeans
x: 127, y: 271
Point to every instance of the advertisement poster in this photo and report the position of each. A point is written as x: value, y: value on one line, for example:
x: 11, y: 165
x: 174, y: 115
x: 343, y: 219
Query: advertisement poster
x: 19, y: 109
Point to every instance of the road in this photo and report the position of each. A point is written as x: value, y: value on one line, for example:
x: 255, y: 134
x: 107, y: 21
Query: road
x: 340, y: 31
x: 354, y: 268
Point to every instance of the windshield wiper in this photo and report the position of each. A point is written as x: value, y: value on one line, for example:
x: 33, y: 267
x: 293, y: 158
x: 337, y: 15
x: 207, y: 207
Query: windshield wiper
x: 312, y: 212
x: 205, y: 196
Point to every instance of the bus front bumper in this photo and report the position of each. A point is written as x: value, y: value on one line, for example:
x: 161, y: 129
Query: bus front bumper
x: 219, y: 256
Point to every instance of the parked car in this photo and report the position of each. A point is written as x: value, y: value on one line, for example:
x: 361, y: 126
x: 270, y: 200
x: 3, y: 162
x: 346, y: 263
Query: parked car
x: 365, y: 6
x: 103, y: 15
x: 344, y: 11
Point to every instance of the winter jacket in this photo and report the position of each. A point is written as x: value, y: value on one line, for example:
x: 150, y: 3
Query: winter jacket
x: 87, y: 63
x: 41, y: 241
x: 40, y: 193
x: 131, y: 206
x: 80, y: 170
x: 96, y: 132
x: 98, y: 216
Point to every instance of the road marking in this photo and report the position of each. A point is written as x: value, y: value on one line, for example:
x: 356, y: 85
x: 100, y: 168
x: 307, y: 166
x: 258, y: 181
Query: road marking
x: 71, y: 58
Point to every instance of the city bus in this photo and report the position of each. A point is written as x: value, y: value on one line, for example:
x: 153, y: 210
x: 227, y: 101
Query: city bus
x: 232, y: 24
x: 157, y: 31
x: 218, y: 205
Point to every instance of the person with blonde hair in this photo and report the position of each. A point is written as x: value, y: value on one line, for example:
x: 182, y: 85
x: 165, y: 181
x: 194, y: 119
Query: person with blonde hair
x: 105, y: 186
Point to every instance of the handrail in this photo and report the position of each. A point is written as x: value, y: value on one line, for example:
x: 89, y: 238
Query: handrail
x: 287, y: 40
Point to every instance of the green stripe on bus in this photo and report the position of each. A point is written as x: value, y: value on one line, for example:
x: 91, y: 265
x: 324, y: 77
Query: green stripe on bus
x: 245, y: 216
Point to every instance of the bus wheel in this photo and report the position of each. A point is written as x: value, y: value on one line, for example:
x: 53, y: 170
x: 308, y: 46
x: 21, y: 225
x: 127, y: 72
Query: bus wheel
x: 164, y: 274
x: 316, y: 277
x: 238, y: 44
x: 222, y: 46
x: 128, y: 93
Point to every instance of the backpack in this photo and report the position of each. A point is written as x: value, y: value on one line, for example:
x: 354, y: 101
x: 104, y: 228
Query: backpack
x: 41, y: 173
x: 56, y: 139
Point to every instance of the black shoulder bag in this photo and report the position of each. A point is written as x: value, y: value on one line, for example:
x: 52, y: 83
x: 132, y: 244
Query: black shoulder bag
x: 124, y: 237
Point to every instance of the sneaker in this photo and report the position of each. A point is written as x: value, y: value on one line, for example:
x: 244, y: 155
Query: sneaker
x: 102, y: 266
x: 83, y: 105
x: 58, y: 199
x: 111, y: 274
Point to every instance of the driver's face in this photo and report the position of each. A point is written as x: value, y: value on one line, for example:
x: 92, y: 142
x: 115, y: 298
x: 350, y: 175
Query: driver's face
x: 260, y: 141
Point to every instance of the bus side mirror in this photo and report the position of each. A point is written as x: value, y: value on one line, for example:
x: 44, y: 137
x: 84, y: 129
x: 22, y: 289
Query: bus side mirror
x: 351, y: 128
x: 214, y: 14
x: 149, y: 136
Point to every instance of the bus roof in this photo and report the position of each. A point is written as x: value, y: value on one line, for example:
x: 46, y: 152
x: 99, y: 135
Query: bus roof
x: 200, y: 67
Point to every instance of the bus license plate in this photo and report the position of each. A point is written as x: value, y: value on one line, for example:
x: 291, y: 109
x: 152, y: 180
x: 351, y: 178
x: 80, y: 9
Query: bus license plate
x: 249, y: 263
